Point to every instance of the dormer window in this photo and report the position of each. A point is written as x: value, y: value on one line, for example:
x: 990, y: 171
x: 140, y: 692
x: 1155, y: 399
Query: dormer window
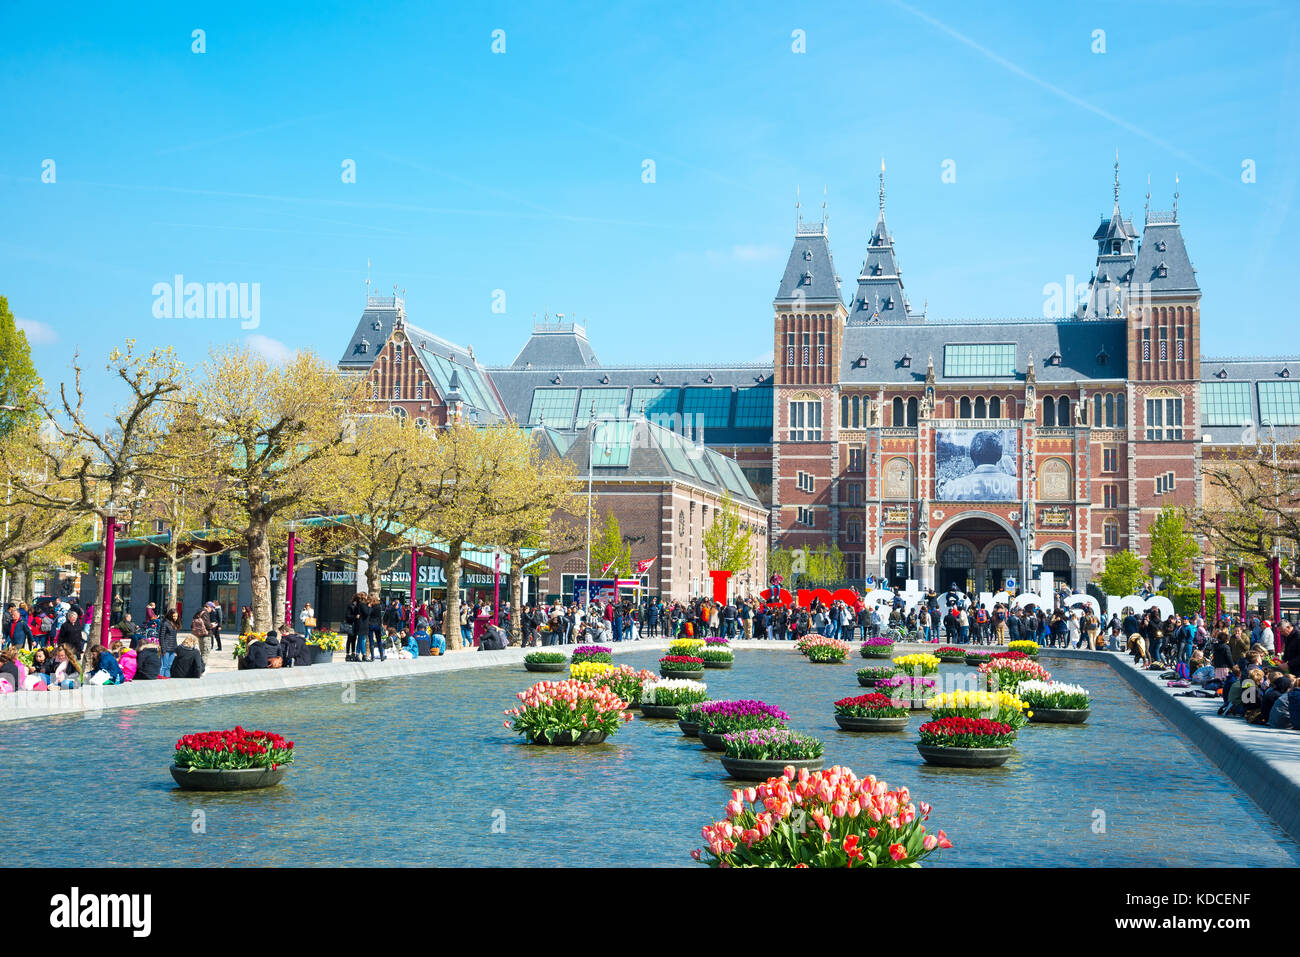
x: 376, y: 325
x: 862, y: 304
x: 807, y: 279
x: 1162, y: 270
x: 861, y: 361
x: 877, y: 270
x: 1115, y: 246
x: 1054, y: 359
x: 807, y: 255
x: 657, y: 380
x: 889, y: 302
x: 1102, y: 358
x: 362, y: 348
x: 1221, y: 374
x: 604, y: 380
x: 556, y: 380
x: 1285, y: 373
x: 906, y: 361
x: 709, y: 378
x: 1161, y: 246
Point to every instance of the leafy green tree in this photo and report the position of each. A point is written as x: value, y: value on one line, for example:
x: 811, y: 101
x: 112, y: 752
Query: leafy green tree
x: 20, y: 386
x: 1122, y: 575
x: 726, y: 541
x: 780, y: 561
x: 609, y: 549
x: 1172, y: 550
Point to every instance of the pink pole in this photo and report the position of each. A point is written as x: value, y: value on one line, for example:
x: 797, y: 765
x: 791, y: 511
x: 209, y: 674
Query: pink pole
x: 496, y: 590
x: 288, y: 585
x: 1218, y: 598
x: 1202, y: 592
x: 1241, y: 592
x: 1277, y: 603
x: 415, y: 560
x: 110, y: 547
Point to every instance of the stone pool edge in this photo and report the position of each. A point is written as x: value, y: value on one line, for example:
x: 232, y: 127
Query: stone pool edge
x: 1237, y: 749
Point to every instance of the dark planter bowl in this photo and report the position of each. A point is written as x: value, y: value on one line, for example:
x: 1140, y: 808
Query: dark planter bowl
x: 975, y: 662
x: 872, y: 724
x: 951, y: 659
x: 868, y: 682
x: 826, y: 661
x: 1060, y: 715
x: 712, y: 741
x: 747, y: 769
x: 689, y: 675
x: 965, y: 757
x: 689, y: 728
x: 883, y: 652
x: 567, y: 738
x: 242, y: 779
x: 548, y: 666
x: 319, y: 656
x: 719, y: 664
x: 659, y: 710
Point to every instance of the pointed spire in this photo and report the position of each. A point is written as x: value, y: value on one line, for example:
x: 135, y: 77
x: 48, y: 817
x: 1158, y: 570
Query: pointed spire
x: 825, y: 215
x: 1147, y: 208
x: 798, y: 215
x: 882, y: 184
x: 1175, y: 197
x: 1117, y: 177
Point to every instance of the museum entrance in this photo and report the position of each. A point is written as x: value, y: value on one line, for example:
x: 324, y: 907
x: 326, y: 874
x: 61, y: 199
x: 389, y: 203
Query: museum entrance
x: 977, y: 555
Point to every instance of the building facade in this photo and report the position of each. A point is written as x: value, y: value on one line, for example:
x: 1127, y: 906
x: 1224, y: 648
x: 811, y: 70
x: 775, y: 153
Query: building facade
x: 971, y: 452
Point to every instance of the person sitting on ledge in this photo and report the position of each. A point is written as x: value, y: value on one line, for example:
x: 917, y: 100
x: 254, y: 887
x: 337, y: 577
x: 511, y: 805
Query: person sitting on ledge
x: 188, y: 662
x: 494, y: 639
x: 148, y: 661
x: 261, y: 652
x: 410, y: 647
x: 126, y: 658
x: 104, y: 669
x: 293, y: 647
x: 1279, y: 711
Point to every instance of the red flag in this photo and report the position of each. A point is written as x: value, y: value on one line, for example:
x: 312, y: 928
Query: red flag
x: 643, y: 566
x: 605, y: 567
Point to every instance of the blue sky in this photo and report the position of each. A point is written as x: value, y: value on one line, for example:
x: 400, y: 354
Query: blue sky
x: 522, y: 171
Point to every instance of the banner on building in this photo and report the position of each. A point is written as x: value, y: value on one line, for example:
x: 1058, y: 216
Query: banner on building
x: 1054, y: 518
x: 585, y: 592
x: 976, y: 465
x: 898, y: 515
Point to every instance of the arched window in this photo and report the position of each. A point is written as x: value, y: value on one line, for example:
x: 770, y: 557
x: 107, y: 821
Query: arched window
x: 1119, y: 411
x: 855, y: 530
x: 1009, y: 411
x: 1002, y: 557
x: 1049, y: 412
x: 995, y: 408
x: 399, y: 414
x: 911, y: 413
x: 1110, y: 532
x: 1096, y: 410
x: 844, y: 412
x: 1110, y: 411
x: 897, y: 420
x: 957, y: 555
x: 857, y: 412
x: 981, y: 410
x: 421, y: 424
x: 1063, y: 411
x: 963, y: 408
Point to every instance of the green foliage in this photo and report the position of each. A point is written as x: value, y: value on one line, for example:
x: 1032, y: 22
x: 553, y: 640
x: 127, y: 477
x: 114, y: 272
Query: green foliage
x: 1122, y: 576
x: 780, y: 561
x: 610, y: 547
x: 1172, y: 550
x: 726, y: 540
x: 19, y: 383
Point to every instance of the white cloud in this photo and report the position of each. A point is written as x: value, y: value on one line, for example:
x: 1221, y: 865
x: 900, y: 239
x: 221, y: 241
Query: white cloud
x: 271, y: 349
x: 38, y: 333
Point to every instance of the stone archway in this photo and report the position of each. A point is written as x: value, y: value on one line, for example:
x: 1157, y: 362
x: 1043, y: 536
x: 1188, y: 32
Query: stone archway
x: 986, y: 535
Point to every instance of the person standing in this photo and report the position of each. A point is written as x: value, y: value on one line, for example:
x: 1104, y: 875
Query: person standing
x: 375, y: 626
x: 214, y: 625
x: 308, y: 618
x: 199, y: 629
x: 355, y: 619
x: 167, y: 633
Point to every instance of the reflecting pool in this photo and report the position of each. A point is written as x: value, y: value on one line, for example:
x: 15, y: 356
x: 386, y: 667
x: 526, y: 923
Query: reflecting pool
x: 420, y: 771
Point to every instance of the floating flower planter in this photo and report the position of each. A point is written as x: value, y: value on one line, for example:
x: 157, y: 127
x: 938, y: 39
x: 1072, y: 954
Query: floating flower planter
x: 763, y: 753
x: 1000, y: 706
x: 567, y: 712
x: 711, y: 740
x: 717, y: 718
x: 716, y: 656
x: 1006, y: 674
x: 907, y: 690
x: 1053, y: 702
x: 233, y: 760
x: 1029, y: 648
x: 592, y: 653
x: 977, y: 658
x: 951, y: 654
x: 867, y: 677
x: 681, y: 666
x: 663, y: 698
x: 823, y: 651
x: 917, y: 664
x: 871, y: 712
x: 624, y: 680
x: 550, y: 661
x: 956, y: 742
x: 839, y: 821
x: 877, y: 648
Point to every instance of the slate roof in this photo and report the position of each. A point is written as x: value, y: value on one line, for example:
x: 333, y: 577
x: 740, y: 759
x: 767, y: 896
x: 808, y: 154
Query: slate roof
x: 372, y: 331
x: 810, y: 271
x: 453, y: 369
x: 651, y: 453
x: 1078, y: 343
x: 562, y: 346
x: 880, y: 296
x: 1162, y: 243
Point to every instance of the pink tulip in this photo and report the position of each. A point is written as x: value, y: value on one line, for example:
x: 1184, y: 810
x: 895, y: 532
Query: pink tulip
x: 897, y: 852
x: 930, y: 842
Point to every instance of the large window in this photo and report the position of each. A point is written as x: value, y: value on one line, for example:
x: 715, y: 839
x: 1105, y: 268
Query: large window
x: 754, y: 408
x: 1164, y: 418
x: 608, y: 404
x: 1226, y: 403
x: 553, y: 407
x: 1279, y: 403
x: 656, y: 402
x: 1111, y: 533
x: 713, y: 404
x: 979, y: 361
x: 854, y: 490
x: 806, y: 420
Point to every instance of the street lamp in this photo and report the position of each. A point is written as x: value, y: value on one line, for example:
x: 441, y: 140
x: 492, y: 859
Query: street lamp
x: 288, y: 584
x: 110, y: 545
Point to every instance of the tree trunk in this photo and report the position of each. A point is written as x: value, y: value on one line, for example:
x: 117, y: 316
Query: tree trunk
x: 451, y: 626
x: 259, y: 574
x: 277, y: 597
x: 176, y: 562
x: 516, y: 599
x: 373, y: 571
x: 18, y: 585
